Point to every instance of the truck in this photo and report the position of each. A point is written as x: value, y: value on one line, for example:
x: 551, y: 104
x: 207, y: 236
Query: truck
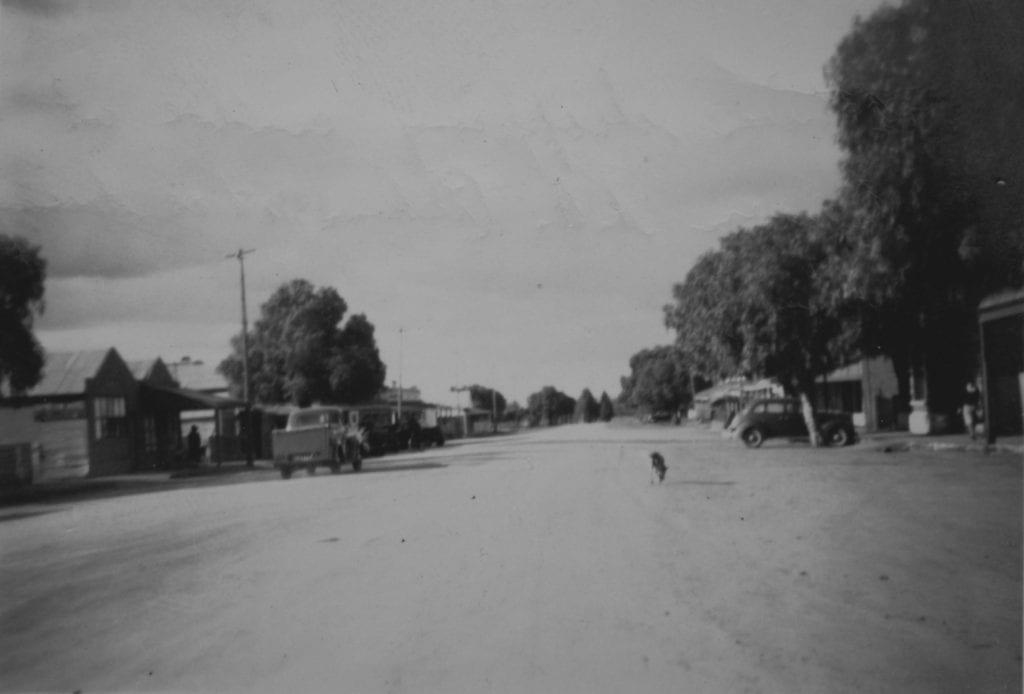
x: 322, y: 435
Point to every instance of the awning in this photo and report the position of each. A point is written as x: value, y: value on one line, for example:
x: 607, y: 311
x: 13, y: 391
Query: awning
x: 185, y: 399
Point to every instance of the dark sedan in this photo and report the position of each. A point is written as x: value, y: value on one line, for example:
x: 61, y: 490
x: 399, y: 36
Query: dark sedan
x: 783, y: 418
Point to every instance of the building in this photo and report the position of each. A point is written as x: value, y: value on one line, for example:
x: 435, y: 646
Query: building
x: 867, y: 389
x: 1001, y: 323
x: 95, y: 414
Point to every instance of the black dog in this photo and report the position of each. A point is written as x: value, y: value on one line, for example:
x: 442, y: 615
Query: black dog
x: 658, y: 467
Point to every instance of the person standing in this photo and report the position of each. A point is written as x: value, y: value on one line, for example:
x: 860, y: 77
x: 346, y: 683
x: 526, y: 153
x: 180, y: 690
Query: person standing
x: 194, y: 445
x: 969, y: 409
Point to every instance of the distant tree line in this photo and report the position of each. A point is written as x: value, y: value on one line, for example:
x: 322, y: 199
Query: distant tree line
x: 550, y: 407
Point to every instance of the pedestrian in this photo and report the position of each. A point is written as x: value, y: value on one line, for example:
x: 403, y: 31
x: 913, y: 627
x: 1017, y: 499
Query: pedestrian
x: 194, y: 445
x: 969, y: 409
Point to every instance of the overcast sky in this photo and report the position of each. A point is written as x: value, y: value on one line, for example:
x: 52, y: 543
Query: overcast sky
x: 507, y: 190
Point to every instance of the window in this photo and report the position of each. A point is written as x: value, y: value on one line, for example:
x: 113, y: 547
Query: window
x: 111, y: 418
x: 775, y: 407
x: 149, y: 434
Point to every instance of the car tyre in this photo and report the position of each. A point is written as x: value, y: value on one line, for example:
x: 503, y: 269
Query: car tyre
x: 839, y: 437
x: 753, y: 437
x: 286, y: 472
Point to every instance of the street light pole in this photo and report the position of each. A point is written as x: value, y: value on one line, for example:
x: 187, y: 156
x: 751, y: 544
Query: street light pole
x: 247, y: 417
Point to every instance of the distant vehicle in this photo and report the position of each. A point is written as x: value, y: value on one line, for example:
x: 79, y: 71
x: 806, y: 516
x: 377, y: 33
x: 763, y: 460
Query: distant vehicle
x: 385, y: 432
x: 783, y: 418
x: 318, y: 436
x: 661, y: 416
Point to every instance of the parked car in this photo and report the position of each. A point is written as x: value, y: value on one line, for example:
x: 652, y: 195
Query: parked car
x: 782, y: 418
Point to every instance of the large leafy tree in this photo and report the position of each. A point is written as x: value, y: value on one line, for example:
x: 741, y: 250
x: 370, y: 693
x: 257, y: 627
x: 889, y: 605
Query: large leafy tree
x: 299, y: 351
x: 707, y: 327
x: 930, y: 111
x: 659, y: 380
x: 22, y: 278
x: 773, y: 322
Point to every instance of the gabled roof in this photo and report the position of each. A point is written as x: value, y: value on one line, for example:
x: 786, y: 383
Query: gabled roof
x: 152, y: 371
x: 142, y: 369
x: 64, y: 373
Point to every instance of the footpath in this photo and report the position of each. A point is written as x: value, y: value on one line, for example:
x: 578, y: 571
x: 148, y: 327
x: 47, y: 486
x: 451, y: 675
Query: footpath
x: 57, y: 491
x: 237, y: 471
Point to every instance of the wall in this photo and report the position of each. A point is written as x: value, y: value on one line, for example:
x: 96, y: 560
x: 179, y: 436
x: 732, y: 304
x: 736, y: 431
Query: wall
x: 64, y: 448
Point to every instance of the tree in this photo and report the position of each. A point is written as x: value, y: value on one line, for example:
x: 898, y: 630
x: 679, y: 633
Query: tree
x: 300, y: 353
x: 587, y: 409
x: 513, y: 412
x: 931, y: 117
x: 22, y: 278
x: 707, y: 328
x: 606, y: 409
x: 488, y: 399
x: 773, y: 323
x: 658, y: 381
x: 550, y: 406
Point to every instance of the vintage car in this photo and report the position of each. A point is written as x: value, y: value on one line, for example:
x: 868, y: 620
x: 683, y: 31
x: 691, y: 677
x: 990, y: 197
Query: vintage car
x: 783, y: 418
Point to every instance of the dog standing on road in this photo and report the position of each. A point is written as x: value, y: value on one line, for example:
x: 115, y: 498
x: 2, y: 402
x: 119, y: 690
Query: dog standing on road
x: 658, y: 467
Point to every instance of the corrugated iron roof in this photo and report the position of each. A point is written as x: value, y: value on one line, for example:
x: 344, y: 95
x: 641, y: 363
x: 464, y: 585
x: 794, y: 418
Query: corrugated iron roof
x: 186, y: 399
x: 65, y: 372
x: 198, y: 375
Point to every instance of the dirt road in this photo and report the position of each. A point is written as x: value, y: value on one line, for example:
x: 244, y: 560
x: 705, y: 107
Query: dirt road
x: 541, y: 562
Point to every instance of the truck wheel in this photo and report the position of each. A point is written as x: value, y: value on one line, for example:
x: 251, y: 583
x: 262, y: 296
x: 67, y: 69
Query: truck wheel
x: 286, y: 472
x: 753, y: 437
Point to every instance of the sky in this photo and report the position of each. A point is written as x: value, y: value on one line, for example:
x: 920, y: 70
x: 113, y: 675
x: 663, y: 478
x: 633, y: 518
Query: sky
x: 507, y: 190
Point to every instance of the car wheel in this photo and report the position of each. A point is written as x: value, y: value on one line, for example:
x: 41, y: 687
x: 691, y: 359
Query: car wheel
x: 753, y: 437
x: 286, y: 472
x: 311, y: 469
x: 838, y: 437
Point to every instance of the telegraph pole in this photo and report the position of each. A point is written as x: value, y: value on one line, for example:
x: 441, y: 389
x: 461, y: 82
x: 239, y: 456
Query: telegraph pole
x: 247, y: 416
x: 399, y: 375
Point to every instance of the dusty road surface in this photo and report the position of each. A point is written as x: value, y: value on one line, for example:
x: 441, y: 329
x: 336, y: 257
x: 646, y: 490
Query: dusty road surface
x: 544, y: 562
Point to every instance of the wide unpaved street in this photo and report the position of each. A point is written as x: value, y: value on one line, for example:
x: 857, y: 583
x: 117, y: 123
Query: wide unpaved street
x: 543, y: 562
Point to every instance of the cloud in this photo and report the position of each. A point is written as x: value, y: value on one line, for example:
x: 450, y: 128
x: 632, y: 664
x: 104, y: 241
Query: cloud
x: 484, y: 174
